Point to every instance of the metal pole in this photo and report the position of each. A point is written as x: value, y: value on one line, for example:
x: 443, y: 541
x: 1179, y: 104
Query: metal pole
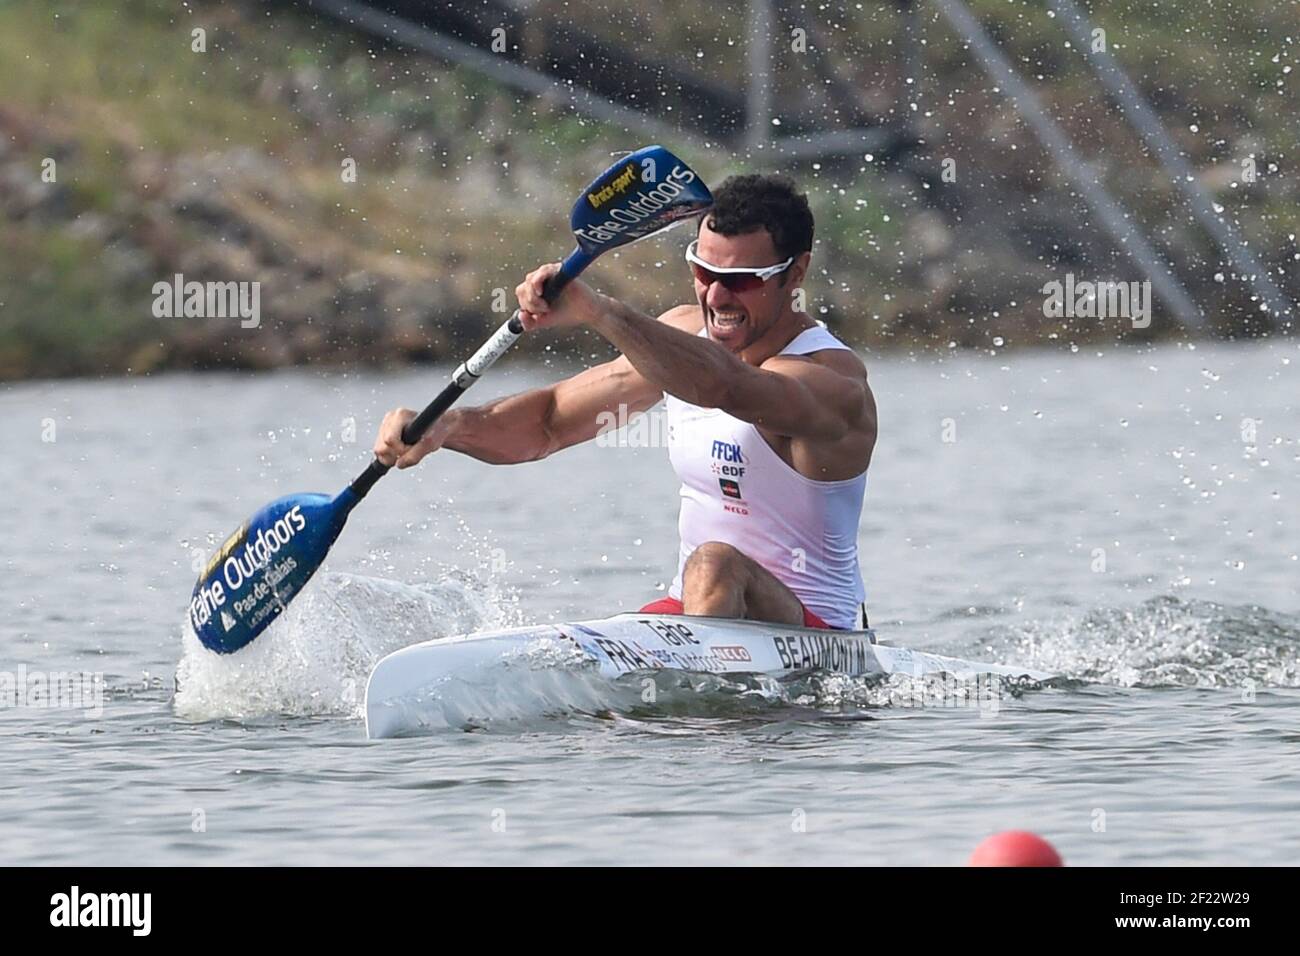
x: 1153, y: 132
x: 913, y: 54
x: 1049, y: 133
x: 758, y: 54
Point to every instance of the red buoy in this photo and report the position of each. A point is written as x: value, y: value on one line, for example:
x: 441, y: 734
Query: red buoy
x: 1015, y: 848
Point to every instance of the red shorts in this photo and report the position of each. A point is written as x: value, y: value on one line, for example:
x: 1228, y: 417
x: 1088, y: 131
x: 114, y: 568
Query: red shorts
x: 670, y: 605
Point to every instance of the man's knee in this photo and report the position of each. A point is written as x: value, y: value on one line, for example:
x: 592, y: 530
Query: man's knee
x: 715, y: 559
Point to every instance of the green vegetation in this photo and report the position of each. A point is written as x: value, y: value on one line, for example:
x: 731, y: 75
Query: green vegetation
x: 60, y: 308
x: 227, y: 164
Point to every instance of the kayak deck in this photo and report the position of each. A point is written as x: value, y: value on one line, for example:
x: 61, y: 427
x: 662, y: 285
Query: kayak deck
x: 412, y: 689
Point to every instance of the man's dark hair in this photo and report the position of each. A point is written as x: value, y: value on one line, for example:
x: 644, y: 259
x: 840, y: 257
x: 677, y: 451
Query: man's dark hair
x: 744, y: 204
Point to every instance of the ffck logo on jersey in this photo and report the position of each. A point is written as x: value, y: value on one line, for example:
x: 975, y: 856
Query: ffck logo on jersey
x: 727, y: 451
x: 729, y: 465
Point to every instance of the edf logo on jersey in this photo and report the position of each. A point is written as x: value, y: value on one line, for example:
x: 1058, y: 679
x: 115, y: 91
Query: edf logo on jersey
x: 725, y: 452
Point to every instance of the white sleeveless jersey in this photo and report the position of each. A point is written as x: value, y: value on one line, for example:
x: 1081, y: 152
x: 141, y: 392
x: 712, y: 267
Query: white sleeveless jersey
x: 737, y: 490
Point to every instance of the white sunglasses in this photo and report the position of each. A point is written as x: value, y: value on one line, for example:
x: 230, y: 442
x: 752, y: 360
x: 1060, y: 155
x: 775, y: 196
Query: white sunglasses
x: 732, y: 279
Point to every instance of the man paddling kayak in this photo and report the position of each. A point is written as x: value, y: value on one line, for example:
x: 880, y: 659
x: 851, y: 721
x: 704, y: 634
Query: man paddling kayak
x: 771, y: 420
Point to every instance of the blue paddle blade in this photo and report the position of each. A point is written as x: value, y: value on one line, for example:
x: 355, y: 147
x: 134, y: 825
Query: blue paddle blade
x: 648, y: 191
x: 260, y: 567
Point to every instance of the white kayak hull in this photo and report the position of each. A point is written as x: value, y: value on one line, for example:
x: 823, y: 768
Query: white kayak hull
x: 411, y: 690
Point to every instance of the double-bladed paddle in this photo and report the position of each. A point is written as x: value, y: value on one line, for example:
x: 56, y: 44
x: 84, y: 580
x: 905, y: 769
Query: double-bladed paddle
x: 262, y: 566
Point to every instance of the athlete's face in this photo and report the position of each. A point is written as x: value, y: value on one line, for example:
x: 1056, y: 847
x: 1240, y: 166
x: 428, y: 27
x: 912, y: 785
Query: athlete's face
x: 737, y: 319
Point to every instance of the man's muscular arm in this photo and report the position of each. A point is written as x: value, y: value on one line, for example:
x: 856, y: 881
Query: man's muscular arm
x: 789, y: 395
x: 531, y: 425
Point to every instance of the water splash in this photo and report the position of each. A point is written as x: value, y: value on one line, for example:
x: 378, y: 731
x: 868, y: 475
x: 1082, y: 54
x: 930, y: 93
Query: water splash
x: 1163, y: 642
x: 315, y: 660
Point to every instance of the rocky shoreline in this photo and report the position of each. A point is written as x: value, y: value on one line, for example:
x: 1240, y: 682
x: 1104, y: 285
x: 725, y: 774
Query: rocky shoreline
x: 458, y: 192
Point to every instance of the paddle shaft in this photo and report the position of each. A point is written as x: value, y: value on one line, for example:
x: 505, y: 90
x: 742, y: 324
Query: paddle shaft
x: 465, y: 376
